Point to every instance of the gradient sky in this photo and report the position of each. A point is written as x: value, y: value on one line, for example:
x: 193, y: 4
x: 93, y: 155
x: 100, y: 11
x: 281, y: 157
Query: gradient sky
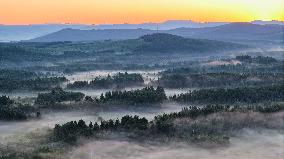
x: 137, y: 11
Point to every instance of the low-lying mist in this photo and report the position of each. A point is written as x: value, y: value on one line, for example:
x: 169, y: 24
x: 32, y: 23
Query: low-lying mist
x: 50, y: 118
x: 249, y: 144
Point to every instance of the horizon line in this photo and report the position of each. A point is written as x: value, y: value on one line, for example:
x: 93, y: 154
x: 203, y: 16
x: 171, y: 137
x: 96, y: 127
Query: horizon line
x: 201, y: 22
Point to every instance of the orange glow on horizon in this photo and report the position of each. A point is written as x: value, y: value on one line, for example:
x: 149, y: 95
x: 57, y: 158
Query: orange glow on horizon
x: 137, y: 11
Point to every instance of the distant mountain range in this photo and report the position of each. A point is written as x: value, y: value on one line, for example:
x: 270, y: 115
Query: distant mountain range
x: 228, y: 32
x: 27, y: 32
x: 235, y: 32
x: 275, y: 22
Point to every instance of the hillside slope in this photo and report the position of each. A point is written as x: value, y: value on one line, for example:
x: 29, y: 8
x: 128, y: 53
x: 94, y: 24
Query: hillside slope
x: 228, y: 32
x: 167, y: 43
x: 234, y: 31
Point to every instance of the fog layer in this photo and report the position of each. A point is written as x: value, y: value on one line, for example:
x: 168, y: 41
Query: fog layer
x: 249, y: 145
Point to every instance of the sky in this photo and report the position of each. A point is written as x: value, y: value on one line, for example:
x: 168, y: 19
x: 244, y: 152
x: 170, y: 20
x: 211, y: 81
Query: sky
x: 137, y: 11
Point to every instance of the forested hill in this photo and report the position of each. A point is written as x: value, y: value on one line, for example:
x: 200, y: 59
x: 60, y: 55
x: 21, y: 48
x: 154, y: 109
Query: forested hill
x: 241, y: 32
x: 165, y: 43
x: 150, y: 43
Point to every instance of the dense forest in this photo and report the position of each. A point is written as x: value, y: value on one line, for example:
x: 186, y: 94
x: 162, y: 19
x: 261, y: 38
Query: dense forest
x: 234, y: 95
x: 45, y: 83
x: 120, y: 80
x: 9, y: 110
x: 225, y: 73
x: 70, y: 131
x: 244, y: 68
x: 17, y: 74
x: 167, y: 43
x: 186, y: 125
x: 26, y: 80
x: 58, y: 95
x: 258, y: 59
x: 259, y: 65
x: 147, y: 95
x: 221, y: 79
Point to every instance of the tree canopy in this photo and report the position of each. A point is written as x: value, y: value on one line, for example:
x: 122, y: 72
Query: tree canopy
x: 9, y: 110
x: 147, y: 95
x: 234, y: 95
x: 120, y: 80
x: 58, y: 95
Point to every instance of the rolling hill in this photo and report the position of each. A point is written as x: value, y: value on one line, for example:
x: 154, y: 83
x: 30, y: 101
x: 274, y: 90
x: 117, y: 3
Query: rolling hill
x: 234, y: 31
x: 168, y: 43
x: 229, y: 32
x: 149, y: 44
x: 92, y: 35
x: 27, y: 32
